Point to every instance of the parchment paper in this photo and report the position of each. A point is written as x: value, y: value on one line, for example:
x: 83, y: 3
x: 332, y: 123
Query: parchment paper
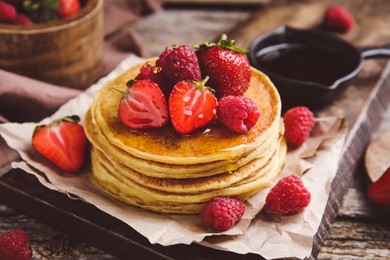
x: 259, y: 233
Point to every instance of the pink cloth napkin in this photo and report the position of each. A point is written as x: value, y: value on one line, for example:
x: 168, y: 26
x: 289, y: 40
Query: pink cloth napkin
x: 24, y: 99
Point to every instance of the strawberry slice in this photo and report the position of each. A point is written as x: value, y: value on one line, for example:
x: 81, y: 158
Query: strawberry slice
x: 379, y: 191
x: 143, y: 105
x: 192, y: 105
x: 63, y: 142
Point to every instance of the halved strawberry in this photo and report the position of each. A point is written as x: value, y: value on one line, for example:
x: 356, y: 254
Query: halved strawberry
x: 63, y: 142
x: 143, y: 105
x: 379, y: 191
x: 192, y: 105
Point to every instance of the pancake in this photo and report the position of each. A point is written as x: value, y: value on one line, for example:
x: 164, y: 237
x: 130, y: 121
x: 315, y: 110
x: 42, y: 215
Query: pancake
x: 163, y: 171
x: 214, y: 143
x: 185, y: 185
x: 190, y: 203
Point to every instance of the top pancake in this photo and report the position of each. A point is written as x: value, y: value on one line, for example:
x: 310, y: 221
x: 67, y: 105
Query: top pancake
x: 212, y: 143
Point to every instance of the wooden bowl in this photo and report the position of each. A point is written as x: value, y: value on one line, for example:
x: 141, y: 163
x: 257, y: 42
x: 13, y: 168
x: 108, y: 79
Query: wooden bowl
x: 67, y: 52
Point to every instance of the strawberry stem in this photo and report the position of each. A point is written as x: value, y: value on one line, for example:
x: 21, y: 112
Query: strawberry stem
x: 223, y: 42
x: 120, y: 91
x: 71, y: 119
x: 202, y: 85
x: 204, y: 81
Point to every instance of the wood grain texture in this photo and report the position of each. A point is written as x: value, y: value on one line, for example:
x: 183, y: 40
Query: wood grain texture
x: 67, y: 52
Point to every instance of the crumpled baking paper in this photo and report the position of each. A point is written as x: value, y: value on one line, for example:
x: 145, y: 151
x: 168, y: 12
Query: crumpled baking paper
x: 257, y: 232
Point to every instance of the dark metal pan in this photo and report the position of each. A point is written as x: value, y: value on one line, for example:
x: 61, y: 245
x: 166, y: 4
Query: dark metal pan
x: 308, y: 66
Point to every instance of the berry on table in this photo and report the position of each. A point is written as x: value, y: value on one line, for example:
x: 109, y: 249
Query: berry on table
x: 222, y: 213
x: 63, y: 142
x: 338, y: 19
x: 298, y: 123
x: 15, y: 245
x: 288, y: 196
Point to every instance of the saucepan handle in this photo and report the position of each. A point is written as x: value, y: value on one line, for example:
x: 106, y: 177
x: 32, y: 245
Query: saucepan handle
x: 376, y: 51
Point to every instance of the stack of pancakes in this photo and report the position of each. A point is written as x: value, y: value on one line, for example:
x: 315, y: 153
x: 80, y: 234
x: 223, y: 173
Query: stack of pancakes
x: 164, y: 171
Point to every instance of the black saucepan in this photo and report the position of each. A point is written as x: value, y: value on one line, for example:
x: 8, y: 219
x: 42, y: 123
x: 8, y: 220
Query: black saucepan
x: 308, y: 66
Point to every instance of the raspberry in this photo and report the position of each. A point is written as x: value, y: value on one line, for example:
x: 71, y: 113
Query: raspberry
x: 179, y: 63
x: 238, y: 113
x: 288, y: 196
x: 222, y: 213
x: 298, y: 122
x: 15, y: 245
x: 153, y: 73
x: 338, y: 19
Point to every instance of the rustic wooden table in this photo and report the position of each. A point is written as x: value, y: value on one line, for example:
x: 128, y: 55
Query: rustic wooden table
x: 360, y: 230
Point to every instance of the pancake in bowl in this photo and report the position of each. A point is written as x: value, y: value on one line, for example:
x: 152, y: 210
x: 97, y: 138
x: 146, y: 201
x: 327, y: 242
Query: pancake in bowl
x: 164, y: 171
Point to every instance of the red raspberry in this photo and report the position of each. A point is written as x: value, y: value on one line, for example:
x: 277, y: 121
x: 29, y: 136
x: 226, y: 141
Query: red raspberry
x: 338, y: 19
x: 298, y: 122
x: 7, y: 12
x: 15, y: 245
x: 288, y: 196
x: 179, y: 63
x: 238, y: 113
x: 222, y: 213
x: 153, y: 73
x: 160, y: 60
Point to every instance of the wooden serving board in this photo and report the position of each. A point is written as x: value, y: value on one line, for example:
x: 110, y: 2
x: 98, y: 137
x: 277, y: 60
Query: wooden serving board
x: 363, y: 104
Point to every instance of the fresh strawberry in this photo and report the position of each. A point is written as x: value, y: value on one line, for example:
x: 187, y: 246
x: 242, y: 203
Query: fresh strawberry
x: 7, y: 12
x: 68, y: 7
x: 238, y: 113
x: 226, y: 65
x: 191, y: 106
x: 179, y: 63
x: 298, y: 123
x: 379, y: 191
x: 15, y: 245
x: 23, y: 20
x: 338, y: 19
x: 143, y: 105
x: 63, y: 142
x: 153, y: 73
